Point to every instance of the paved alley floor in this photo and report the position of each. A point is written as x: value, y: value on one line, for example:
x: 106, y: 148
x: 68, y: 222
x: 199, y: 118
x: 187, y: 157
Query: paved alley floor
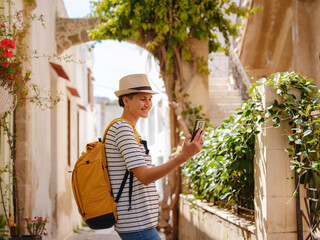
x: 89, y: 234
x: 105, y: 234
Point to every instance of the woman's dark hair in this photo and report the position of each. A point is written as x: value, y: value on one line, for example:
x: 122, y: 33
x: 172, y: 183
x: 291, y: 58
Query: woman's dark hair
x: 130, y: 96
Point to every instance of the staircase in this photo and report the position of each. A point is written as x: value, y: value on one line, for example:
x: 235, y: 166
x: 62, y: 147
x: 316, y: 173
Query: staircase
x: 224, y: 99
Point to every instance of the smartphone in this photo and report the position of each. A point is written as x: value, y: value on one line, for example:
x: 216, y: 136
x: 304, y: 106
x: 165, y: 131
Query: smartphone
x: 199, y: 124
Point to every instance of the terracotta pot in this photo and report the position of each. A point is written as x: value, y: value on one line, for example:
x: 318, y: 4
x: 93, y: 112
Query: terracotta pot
x: 26, y: 237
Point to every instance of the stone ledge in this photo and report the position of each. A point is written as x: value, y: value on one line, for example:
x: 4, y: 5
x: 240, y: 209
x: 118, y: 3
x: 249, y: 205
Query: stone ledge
x: 222, y: 213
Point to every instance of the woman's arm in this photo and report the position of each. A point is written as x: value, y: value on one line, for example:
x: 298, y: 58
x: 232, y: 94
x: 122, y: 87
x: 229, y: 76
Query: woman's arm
x: 147, y: 175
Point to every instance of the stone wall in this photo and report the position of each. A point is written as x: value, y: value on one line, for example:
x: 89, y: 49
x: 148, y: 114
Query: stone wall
x: 73, y: 31
x: 43, y: 172
x: 275, y: 205
x: 283, y: 37
x: 203, y: 221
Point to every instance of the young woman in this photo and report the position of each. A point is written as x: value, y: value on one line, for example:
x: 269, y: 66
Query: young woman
x: 138, y: 218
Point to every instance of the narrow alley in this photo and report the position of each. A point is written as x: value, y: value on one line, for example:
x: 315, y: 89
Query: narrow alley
x: 105, y: 234
x: 88, y: 234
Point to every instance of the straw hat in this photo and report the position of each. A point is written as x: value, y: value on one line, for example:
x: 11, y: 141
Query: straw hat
x: 134, y: 83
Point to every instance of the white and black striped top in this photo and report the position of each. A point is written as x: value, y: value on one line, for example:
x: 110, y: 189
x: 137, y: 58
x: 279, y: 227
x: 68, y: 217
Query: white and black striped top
x: 122, y: 151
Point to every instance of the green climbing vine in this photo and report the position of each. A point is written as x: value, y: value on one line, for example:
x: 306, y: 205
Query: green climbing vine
x: 223, y: 170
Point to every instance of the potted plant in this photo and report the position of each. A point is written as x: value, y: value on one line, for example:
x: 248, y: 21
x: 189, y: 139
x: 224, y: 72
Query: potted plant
x: 3, y: 229
x: 36, y: 228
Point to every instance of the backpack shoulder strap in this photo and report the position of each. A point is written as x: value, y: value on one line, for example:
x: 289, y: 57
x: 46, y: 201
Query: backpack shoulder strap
x: 127, y: 171
x: 125, y: 120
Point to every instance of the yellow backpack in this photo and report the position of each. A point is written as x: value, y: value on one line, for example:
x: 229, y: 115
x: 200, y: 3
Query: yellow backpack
x: 91, y: 185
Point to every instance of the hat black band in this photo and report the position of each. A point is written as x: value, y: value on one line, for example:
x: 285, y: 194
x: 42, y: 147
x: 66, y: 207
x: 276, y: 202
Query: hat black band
x: 141, y: 88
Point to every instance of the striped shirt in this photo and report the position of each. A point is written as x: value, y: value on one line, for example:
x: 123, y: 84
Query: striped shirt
x: 122, y: 151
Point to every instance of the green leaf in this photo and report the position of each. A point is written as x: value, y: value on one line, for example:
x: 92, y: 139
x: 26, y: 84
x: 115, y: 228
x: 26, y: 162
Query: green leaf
x: 261, y: 120
x: 261, y: 81
x: 247, y: 113
x: 313, y: 140
x: 289, y: 150
x: 308, y: 109
x: 314, y: 165
x: 297, y: 130
x: 276, y: 120
x: 306, y: 133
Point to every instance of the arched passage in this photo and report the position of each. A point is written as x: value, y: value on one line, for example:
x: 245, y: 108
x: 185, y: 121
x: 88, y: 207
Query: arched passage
x: 74, y: 31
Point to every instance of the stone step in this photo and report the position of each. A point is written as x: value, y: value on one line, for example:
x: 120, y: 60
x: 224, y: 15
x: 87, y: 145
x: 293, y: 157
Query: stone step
x: 224, y: 98
x: 223, y: 87
x: 220, y: 114
x: 224, y: 93
x: 224, y: 106
x: 213, y: 80
x: 215, y: 83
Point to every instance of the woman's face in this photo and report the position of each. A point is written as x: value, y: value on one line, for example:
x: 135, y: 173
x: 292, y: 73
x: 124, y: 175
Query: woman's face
x: 139, y: 105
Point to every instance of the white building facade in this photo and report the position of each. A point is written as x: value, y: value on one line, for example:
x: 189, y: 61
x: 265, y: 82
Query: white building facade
x: 50, y: 140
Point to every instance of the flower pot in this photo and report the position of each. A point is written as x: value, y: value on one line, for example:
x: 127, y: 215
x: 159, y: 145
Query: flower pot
x: 26, y: 237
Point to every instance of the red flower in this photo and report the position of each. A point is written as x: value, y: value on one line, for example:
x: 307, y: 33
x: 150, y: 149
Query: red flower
x: 7, y: 54
x: 7, y: 43
x: 3, y: 26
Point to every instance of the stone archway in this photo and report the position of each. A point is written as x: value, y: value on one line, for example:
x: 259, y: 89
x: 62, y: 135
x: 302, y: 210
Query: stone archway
x: 71, y: 32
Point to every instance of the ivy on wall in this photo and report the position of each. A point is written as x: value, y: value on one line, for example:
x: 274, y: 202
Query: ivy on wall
x: 223, y: 170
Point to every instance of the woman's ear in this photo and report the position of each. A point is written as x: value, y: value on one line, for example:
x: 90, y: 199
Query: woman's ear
x: 125, y: 100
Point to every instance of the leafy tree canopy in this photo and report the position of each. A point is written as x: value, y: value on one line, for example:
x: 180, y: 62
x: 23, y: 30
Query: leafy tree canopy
x: 155, y: 23
x: 164, y: 28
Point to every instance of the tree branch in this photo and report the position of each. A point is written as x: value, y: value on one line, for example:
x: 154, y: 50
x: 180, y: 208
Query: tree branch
x: 178, y: 111
x: 193, y: 72
x: 179, y: 71
x: 176, y: 191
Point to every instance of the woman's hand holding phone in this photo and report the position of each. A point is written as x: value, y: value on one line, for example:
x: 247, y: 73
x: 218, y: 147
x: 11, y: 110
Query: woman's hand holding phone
x: 191, y: 148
